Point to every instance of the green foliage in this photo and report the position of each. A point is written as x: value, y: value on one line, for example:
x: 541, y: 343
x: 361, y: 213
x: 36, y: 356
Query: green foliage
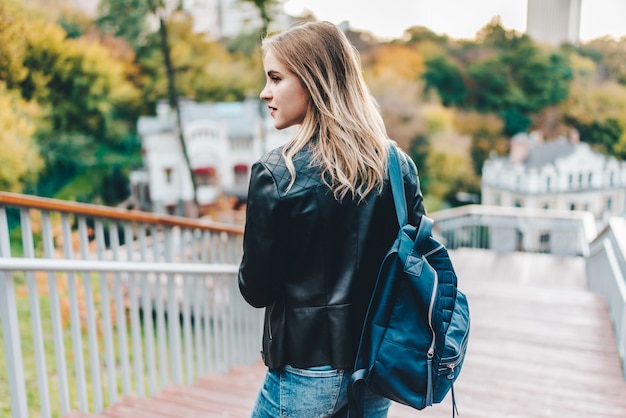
x: 508, y: 75
x: 73, y: 90
x: 265, y: 8
x: 598, y: 112
x: 12, y: 44
x: 205, y: 70
x: 450, y: 173
x: 444, y: 75
x: 420, y: 34
x: 70, y: 92
x: 605, y: 134
x: 18, y: 123
x: 610, y: 54
x: 126, y: 19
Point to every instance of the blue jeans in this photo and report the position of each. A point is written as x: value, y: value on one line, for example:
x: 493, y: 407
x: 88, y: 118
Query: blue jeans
x: 317, y: 392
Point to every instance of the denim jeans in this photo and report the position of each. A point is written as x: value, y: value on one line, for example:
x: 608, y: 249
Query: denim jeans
x: 317, y: 392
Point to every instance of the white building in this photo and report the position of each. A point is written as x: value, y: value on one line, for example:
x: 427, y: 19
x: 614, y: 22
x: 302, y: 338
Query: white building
x: 229, y: 18
x: 223, y: 140
x: 554, y: 21
x: 562, y: 174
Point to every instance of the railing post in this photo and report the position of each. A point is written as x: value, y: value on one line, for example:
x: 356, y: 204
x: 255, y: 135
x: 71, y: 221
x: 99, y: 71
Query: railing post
x: 35, y: 315
x: 107, y: 325
x: 72, y: 294
x: 55, y: 314
x: 10, y: 329
x: 12, y: 348
x: 92, y: 327
x: 173, y: 323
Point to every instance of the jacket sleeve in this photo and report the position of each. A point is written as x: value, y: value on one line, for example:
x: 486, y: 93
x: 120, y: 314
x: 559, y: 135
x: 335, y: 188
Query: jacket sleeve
x: 257, y: 271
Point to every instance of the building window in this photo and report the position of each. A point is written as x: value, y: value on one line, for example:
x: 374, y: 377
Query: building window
x: 580, y: 180
x: 544, y: 242
x: 571, y: 180
x: 241, y: 175
x: 590, y: 179
x: 548, y: 183
x: 169, y: 174
x: 609, y: 204
x: 205, y: 176
x: 517, y: 203
x: 612, y: 179
x: 546, y: 206
x: 572, y: 206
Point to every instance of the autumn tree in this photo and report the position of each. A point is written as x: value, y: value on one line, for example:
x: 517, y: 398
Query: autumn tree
x: 85, y: 100
x: 507, y: 75
x: 126, y: 19
x: 18, y: 124
x: 610, y: 56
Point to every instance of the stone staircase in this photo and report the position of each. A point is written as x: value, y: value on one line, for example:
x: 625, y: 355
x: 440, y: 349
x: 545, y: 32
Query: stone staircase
x: 541, y: 345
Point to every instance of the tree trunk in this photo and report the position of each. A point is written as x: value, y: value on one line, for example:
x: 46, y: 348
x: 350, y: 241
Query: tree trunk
x: 173, y: 97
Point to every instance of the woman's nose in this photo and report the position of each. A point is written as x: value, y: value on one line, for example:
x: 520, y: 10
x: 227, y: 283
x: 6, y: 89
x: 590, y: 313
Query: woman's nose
x: 265, y: 94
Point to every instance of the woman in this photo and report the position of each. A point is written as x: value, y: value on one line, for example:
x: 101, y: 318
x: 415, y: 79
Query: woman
x: 320, y: 218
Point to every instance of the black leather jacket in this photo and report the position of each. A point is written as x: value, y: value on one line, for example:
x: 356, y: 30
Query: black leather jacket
x: 312, y: 261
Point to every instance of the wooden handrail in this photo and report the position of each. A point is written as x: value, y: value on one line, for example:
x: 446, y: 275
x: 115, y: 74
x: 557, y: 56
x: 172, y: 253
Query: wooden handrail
x: 85, y: 209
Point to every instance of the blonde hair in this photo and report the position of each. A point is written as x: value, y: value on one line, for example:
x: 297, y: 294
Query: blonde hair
x: 350, y: 142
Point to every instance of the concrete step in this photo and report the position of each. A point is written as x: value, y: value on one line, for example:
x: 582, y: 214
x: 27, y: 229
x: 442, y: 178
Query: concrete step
x: 541, y: 345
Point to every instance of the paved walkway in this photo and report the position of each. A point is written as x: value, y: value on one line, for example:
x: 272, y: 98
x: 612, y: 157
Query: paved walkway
x: 541, y: 345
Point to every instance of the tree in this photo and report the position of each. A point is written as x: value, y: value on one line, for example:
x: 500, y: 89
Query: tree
x: 504, y: 74
x: 444, y: 75
x: 610, y: 55
x: 265, y: 8
x: 172, y: 92
x: 86, y: 102
x: 18, y: 124
x: 12, y: 44
x: 598, y: 112
x: 126, y: 19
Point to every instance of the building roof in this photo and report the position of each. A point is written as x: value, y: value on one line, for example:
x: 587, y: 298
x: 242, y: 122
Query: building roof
x: 239, y: 117
x: 549, y: 152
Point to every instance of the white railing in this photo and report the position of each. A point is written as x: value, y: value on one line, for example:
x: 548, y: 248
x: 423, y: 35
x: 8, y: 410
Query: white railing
x: 87, y: 294
x: 606, y: 275
x: 508, y: 229
x: 94, y: 289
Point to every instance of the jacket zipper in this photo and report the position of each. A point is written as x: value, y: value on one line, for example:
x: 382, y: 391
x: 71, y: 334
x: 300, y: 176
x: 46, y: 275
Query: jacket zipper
x: 269, y: 322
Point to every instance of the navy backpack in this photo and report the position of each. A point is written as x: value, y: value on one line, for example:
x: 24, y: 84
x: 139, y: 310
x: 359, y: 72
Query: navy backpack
x: 415, y: 334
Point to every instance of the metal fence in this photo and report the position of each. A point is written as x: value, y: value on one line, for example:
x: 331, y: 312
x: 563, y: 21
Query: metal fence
x: 606, y: 275
x: 507, y: 229
x: 98, y: 303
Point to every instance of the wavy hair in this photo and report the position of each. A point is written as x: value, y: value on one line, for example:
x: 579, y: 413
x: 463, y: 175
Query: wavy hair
x: 342, y: 125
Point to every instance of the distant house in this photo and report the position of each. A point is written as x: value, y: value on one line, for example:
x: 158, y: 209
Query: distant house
x: 223, y: 140
x: 562, y: 174
x: 229, y: 18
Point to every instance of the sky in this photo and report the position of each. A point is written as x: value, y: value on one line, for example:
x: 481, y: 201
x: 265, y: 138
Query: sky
x: 459, y: 19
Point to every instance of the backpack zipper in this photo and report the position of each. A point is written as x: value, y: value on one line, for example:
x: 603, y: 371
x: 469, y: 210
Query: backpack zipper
x: 431, y: 350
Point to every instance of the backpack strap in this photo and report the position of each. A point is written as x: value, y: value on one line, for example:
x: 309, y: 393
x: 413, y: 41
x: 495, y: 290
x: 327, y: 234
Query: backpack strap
x: 425, y: 229
x: 399, y: 198
x: 397, y: 185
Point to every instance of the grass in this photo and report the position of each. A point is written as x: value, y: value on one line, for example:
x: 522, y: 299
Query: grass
x: 28, y: 349
x: 28, y: 352
x: 28, y: 356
